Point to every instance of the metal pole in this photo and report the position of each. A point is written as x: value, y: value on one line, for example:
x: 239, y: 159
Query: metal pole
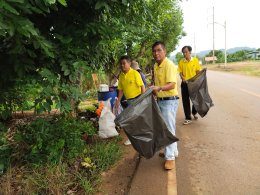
x: 195, y: 46
x: 213, y: 38
x: 225, y: 26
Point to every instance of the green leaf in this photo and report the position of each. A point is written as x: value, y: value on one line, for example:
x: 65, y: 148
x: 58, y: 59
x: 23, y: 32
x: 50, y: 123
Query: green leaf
x: 8, y: 7
x: 63, y: 2
x: 124, y: 2
x: 16, y: 1
x: 51, y: 1
x: 47, y: 106
x: 66, y: 72
x: 63, y: 39
x: 42, y: 6
x: 101, y: 4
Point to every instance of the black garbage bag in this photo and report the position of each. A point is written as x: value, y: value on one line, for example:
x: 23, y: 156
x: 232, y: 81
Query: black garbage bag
x: 199, y: 95
x: 144, y: 125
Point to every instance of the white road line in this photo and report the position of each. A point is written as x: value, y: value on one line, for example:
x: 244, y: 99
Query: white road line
x: 251, y: 93
x: 172, y: 182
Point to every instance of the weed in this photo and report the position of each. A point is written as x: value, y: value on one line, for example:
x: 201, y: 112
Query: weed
x: 104, y: 154
x: 53, y: 159
x: 46, y: 140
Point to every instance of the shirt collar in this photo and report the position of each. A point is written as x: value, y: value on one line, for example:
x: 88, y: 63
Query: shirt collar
x: 162, y: 64
x: 187, y: 60
x: 128, y: 71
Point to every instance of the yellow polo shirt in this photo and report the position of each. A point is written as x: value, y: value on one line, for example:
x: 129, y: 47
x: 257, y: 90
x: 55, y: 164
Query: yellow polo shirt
x: 165, y: 73
x: 130, y: 83
x: 188, y: 69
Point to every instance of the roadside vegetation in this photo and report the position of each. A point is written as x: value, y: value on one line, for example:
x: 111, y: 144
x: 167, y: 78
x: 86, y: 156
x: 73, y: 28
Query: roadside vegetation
x: 251, y: 68
x: 49, y: 52
x: 53, y: 155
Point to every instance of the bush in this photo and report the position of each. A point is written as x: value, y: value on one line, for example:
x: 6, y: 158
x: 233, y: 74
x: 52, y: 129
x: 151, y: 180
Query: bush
x: 64, y: 162
x: 44, y: 140
x: 5, y: 149
x: 62, y: 178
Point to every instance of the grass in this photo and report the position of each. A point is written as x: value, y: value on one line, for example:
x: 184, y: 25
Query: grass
x: 251, y: 68
x: 250, y: 71
x: 79, y: 176
x: 49, y: 179
x: 88, y: 105
x: 63, y: 178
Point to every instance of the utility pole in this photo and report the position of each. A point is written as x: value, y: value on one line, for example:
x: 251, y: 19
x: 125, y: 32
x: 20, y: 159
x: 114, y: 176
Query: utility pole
x: 194, y: 46
x: 213, y: 24
x: 225, y: 26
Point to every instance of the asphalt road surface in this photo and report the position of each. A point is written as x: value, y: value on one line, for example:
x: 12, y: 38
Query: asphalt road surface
x: 220, y: 153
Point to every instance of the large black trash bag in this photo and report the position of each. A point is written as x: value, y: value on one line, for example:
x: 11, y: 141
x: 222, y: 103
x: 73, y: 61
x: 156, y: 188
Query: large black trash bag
x: 144, y: 125
x: 199, y: 95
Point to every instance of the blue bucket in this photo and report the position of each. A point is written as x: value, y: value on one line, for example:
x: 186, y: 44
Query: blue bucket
x: 103, y: 96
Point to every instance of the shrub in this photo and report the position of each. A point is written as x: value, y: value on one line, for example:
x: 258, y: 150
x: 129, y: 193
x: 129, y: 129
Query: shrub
x: 49, y: 140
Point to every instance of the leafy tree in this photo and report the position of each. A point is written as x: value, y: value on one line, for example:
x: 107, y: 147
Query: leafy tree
x: 50, y: 44
x: 219, y: 54
x: 238, y: 56
x: 178, y: 57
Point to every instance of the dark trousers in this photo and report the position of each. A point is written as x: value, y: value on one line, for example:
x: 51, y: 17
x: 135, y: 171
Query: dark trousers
x: 186, y: 101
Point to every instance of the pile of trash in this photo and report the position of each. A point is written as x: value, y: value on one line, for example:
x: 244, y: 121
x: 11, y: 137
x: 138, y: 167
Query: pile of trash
x: 106, y: 117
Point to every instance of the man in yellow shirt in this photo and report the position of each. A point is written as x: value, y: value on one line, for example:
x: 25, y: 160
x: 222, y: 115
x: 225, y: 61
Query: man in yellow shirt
x: 130, y: 83
x: 165, y: 79
x: 188, y: 68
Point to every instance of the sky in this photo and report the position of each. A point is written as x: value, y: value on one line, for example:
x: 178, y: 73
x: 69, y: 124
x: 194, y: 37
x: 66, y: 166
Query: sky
x: 242, y: 24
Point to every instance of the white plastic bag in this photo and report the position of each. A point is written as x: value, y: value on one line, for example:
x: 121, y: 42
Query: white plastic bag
x: 117, y: 111
x: 107, y: 103
x: 106, y: 122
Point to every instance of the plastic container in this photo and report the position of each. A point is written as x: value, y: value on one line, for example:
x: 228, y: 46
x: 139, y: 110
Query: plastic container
x: 103, y: 88
x: 103, y: 96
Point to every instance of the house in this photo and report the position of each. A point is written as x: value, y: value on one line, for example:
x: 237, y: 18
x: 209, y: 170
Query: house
x: 254, y: 55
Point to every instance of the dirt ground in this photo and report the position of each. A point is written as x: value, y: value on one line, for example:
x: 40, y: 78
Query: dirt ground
x: 117, y: 180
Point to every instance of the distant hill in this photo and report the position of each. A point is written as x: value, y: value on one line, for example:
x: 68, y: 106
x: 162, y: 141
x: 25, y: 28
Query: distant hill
x: 235, y: 49
x: 231, y: 50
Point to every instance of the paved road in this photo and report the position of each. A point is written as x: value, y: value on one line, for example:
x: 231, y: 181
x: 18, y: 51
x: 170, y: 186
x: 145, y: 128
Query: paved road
x: 220, y: 153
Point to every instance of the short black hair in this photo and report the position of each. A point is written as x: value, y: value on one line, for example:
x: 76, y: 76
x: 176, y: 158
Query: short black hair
x: 188, y: 47
x: 159, y: 43
x: 125, y: 57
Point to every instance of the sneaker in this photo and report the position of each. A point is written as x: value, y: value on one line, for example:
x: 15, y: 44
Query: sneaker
x: 127, y: 142
x: 169, y: 164
x: 195, y: 117
x: 186, y: 122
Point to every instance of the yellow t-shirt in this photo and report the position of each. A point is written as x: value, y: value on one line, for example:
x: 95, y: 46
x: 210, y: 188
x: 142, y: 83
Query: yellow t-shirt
x: 165, y: 73
x: 188, y: 69
x: 130, y: 83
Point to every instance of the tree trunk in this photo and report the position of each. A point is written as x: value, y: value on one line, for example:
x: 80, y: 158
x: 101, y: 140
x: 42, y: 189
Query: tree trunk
x: 142, y: 51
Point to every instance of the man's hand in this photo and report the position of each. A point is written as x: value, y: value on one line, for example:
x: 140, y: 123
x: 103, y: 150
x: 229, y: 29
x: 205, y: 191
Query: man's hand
x: 182, y: 78
x: 155, y: 89
x: 117, y: 104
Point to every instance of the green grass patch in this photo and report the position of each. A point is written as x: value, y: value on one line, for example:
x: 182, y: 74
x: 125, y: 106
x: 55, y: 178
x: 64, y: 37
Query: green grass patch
x: 251, y: 68
x: 91, y: 108
x: 253, y: 71
x: 51, y: 157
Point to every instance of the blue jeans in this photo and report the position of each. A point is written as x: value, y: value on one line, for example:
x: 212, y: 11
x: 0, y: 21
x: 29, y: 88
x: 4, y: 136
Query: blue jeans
x: 169, y: 110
